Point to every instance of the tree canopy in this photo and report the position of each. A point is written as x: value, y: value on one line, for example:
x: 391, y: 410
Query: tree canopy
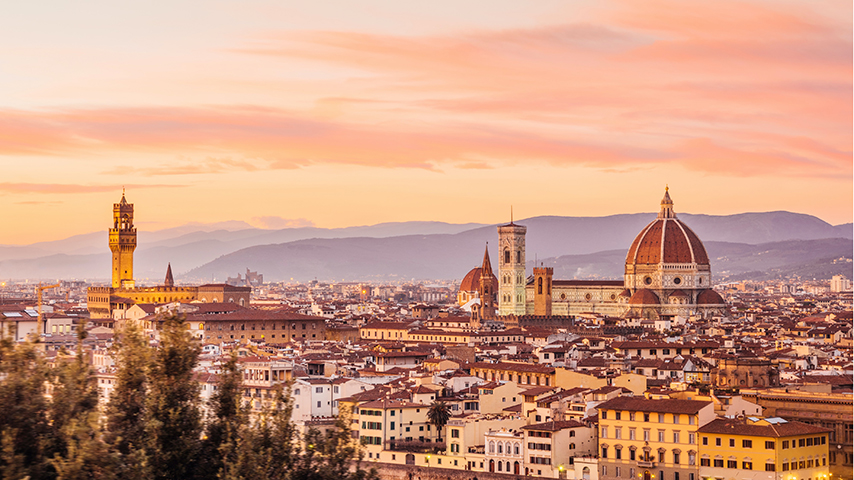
x: 155, y: 424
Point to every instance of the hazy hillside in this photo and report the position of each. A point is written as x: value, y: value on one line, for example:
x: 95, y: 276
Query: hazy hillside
x: 451, y: 256
x: 730, y: 261
x: 209, y: 252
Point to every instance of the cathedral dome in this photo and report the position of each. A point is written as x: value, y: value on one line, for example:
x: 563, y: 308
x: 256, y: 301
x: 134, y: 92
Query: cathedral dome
x: 667, y: 240
x: 644, y: 297
x: 471, y: 282
x: 710, y: 297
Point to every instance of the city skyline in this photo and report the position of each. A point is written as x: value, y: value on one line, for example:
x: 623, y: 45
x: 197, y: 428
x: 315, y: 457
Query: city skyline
x: 330, y: 116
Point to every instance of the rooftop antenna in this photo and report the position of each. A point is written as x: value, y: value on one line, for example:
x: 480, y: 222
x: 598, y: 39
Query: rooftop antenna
x: 511, y: 214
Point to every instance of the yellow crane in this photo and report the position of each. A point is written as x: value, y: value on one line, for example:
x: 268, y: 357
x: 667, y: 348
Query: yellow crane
x: 40, y: 324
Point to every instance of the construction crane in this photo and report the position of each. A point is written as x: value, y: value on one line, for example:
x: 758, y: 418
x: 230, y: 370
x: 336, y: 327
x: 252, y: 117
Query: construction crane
x: 40, y: 324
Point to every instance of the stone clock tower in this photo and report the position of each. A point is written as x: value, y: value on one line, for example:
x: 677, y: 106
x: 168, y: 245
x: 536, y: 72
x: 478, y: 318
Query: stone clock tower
x: 122, y: 244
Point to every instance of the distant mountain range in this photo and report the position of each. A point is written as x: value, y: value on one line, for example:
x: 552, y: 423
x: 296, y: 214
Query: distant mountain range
x: 750, y: 245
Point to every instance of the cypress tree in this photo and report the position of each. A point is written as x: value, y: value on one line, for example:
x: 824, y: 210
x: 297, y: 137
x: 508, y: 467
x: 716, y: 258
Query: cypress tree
x: 126, y: 407
x: 27, y: 436
x: 173, y: 424
x: 226, y: 420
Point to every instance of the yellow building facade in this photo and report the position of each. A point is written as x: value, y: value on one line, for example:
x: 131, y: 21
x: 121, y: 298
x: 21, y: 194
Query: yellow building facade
x: 752, y: 448
x: 647, y: 439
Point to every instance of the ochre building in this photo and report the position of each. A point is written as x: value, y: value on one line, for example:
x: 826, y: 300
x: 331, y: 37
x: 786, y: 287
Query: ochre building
x: 113, y: 301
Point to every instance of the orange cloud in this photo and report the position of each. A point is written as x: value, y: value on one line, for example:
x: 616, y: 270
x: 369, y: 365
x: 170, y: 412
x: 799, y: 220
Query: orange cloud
x: 17, y: 188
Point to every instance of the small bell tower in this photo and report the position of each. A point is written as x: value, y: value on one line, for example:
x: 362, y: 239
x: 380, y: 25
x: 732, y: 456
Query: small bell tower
x: 487, y: 288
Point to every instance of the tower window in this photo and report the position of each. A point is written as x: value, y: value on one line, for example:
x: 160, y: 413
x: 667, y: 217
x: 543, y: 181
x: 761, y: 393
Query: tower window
x: 518, y: 256
x: 506, y: 256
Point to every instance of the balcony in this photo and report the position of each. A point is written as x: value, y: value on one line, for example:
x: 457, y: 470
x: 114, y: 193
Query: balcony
x: 646, y: 464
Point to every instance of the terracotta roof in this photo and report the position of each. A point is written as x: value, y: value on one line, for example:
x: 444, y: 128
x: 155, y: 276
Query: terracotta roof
x: 667, y: 240
x: 513, y: 367
x: 553, y: 426
x: 644, y: 297
x: 471, y: 282
x: 252, y: 314
x: 588, y: 283
x: 639, y: 404
x: 709, y: 297
x: 731, y: 426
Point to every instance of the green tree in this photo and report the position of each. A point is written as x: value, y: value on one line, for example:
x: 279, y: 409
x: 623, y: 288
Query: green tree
x: 28, y: 438
x: 86, y: 455
x: 173, y: 424
x: 74, y: 395
x: 272, y: 448
x: 227, y: 418
x: 438, y: 415
x: 126, y: 407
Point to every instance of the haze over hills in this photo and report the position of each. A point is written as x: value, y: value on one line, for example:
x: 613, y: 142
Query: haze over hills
x: 582, y: 247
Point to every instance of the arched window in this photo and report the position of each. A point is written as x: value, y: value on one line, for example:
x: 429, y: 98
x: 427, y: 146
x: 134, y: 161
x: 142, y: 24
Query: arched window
x: 518, y: 256
x: 500, y: 450
x: 506, y: 255
x: 572, y: 446
x: 540, y: 286
x: 572, y: 433
x: 491, y: 447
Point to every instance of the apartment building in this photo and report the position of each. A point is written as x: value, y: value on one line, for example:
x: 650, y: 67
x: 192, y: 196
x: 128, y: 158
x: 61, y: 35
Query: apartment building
x: 318, y: 397
x: 549, y: 448
x: 642, y: 438
x: 754, y: 448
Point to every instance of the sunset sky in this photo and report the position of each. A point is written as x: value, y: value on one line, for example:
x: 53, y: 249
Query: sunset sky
x: 340, y: 113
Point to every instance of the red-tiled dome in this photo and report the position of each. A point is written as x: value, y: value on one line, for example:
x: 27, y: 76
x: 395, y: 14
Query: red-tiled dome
x: 667, y: 240
x: 644, y: 297
x: 709, y: 297
x: 471, y: 282
x: 626, y: 293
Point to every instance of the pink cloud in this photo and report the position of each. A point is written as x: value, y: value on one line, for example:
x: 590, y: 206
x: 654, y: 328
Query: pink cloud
x: 755, y: 87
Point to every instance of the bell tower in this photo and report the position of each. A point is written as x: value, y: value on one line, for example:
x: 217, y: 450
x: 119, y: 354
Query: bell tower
x: 511, y: 269
x: 543, y: 290
x: 123, y: 243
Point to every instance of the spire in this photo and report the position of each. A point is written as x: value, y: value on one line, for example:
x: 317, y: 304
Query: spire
x: 169, y: 282
x: 511, y: 214
x: 486, y: 268
x: 124, y: 200
x: 666, y: 205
